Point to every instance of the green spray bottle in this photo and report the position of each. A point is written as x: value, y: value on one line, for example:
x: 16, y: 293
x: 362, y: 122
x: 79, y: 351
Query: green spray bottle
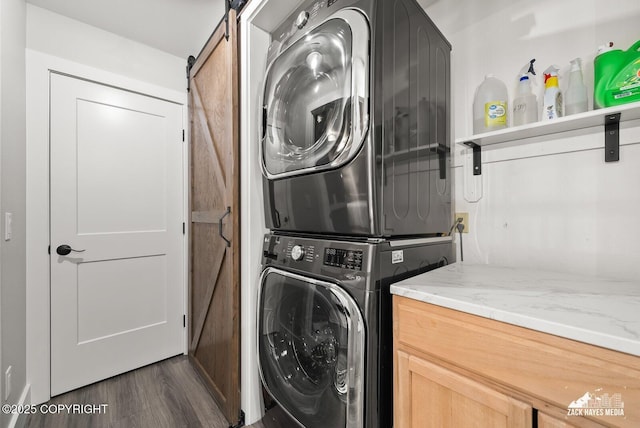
x: 616, y: 76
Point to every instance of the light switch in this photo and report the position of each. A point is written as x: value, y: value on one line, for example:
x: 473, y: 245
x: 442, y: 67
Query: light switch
x: 8, y: 226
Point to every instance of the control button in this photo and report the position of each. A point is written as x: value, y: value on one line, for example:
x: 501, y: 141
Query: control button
x: 297, y: 253
x: 302, y: 19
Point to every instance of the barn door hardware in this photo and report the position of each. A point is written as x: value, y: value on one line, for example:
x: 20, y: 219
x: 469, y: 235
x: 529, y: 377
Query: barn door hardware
x: 227, y: 6
x: 190, y: 61
x: 240, y: 421
x: 226, y: 213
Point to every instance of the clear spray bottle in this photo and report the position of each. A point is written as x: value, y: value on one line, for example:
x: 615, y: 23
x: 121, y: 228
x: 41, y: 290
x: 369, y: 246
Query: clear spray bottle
x: 525, y: 104
x: 576, y: 96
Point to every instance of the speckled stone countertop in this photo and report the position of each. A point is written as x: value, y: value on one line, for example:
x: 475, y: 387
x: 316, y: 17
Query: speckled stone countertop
x: 598, y: 311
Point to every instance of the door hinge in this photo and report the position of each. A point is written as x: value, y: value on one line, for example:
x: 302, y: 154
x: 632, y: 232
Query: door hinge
x: 184, y: 228
x: 184, y: 321
x: 49, y: 249
x: 183, y: 135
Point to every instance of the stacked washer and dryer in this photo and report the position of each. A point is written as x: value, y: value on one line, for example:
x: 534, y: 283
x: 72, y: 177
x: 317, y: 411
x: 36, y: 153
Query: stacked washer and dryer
x: 355, y: 152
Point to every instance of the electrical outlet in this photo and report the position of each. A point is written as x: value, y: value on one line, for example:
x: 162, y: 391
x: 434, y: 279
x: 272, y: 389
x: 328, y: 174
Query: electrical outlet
x: 7, y: 383
x: 465, y: 221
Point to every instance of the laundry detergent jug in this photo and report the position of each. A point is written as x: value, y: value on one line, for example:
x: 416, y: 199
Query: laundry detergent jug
x: 617, y: 77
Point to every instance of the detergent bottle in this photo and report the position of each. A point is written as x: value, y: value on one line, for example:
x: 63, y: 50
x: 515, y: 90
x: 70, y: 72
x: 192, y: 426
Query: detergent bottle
x: 616, y: 76
x: 552, y: 104
x: 490, y: 106
x: 576, y: 96
x: 525, y: 104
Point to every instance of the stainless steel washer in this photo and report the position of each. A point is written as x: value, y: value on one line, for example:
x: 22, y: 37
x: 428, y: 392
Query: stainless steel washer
x: 324, y: 326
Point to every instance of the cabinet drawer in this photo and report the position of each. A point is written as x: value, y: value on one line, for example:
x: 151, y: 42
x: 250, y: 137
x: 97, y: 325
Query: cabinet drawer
x: 555, y: 370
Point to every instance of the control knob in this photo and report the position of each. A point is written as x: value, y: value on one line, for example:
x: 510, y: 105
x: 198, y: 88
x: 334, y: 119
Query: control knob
x: 297, y: 253
x: 302, y: 19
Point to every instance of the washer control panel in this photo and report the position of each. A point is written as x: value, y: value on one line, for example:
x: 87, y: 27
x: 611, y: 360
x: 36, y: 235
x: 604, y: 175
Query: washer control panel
x: 346, y: 259
x: 314, y: 255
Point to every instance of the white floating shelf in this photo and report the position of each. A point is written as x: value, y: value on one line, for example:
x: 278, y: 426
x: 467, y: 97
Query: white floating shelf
x: 609, y: 118
x: 564, y: 124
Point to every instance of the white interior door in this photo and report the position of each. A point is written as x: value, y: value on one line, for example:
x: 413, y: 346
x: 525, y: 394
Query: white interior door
x: 116, y: 194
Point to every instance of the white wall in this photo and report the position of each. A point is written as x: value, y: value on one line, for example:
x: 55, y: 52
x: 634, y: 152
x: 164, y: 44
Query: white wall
x: 12, y: 192
x: 58, y: 43
x: 57, y: 35
x: 554, y: 203
x: 257, y: 20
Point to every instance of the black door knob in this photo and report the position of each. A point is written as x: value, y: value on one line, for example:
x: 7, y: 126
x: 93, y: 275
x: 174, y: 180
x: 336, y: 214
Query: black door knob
x: 65, y: 250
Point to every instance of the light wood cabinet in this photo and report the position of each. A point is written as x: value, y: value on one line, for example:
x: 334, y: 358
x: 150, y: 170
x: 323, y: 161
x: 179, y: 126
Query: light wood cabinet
x: 453, y: 369
x: 432, y: 396
x: 546, y: 421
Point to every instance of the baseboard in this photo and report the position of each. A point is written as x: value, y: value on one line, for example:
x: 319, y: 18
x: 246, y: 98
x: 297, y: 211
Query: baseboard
x: 19, y: 420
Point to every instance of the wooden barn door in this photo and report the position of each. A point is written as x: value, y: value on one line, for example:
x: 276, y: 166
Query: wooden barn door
x: 214, y: 278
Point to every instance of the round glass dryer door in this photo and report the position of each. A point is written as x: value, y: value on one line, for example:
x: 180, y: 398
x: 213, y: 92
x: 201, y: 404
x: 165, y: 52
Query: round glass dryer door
x: 315, y: 111
x: 311, y: 349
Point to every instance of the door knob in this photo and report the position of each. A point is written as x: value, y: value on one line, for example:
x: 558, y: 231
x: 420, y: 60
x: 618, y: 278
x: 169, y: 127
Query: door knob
x: 64, y: 250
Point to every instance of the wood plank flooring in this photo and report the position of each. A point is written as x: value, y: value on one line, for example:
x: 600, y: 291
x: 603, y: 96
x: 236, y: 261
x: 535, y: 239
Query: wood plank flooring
x: 166, y: 394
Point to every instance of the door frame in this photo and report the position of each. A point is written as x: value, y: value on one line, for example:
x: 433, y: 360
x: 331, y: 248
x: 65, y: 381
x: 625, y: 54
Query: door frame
x: 256, y: 20
x: 39, y: 66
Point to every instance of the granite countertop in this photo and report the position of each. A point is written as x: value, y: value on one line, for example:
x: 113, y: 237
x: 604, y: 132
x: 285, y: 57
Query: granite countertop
x: 598, y: 311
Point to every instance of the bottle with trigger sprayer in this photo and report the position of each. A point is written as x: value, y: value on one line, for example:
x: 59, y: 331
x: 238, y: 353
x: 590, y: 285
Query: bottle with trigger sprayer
x: 552, y: 104
x: 576, y: 99
x: 525, y: 104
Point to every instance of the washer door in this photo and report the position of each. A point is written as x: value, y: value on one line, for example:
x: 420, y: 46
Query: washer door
x: 311, y: 349
x: 315, y: 109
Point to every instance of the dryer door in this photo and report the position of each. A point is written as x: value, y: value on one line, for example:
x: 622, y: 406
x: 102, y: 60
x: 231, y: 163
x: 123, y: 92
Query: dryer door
x: 311, y: 349
x: 315, y: 101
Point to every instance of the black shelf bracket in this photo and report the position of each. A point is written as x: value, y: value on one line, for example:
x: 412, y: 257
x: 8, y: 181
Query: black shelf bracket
x: 477, y: 157
x: 612, y: 137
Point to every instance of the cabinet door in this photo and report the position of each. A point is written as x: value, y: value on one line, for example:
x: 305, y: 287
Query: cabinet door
x: 546, y: 421
x: 428, y: 395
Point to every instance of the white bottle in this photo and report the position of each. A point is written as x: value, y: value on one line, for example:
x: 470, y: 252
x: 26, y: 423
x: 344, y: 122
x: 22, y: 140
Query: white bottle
x: 552, y: 103
x: 490, y: 106
x: 576, y: 96
x: 525, y: 104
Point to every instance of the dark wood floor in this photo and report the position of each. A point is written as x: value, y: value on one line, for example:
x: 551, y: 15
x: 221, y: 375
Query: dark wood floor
x: 166, y: 394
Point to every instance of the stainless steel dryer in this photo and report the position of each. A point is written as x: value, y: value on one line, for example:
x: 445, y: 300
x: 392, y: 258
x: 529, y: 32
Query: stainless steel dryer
x: 324, y: 326
x: 355, y: 134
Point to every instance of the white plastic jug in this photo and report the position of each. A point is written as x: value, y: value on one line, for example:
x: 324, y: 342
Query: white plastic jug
x: 490, y: 110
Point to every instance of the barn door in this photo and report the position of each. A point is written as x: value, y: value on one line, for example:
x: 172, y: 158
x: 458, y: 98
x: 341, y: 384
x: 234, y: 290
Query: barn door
x: 214, y: 287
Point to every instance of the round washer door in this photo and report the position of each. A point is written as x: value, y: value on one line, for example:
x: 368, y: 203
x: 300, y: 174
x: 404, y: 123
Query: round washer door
x: 311, y: 349
x: 315, y: 100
